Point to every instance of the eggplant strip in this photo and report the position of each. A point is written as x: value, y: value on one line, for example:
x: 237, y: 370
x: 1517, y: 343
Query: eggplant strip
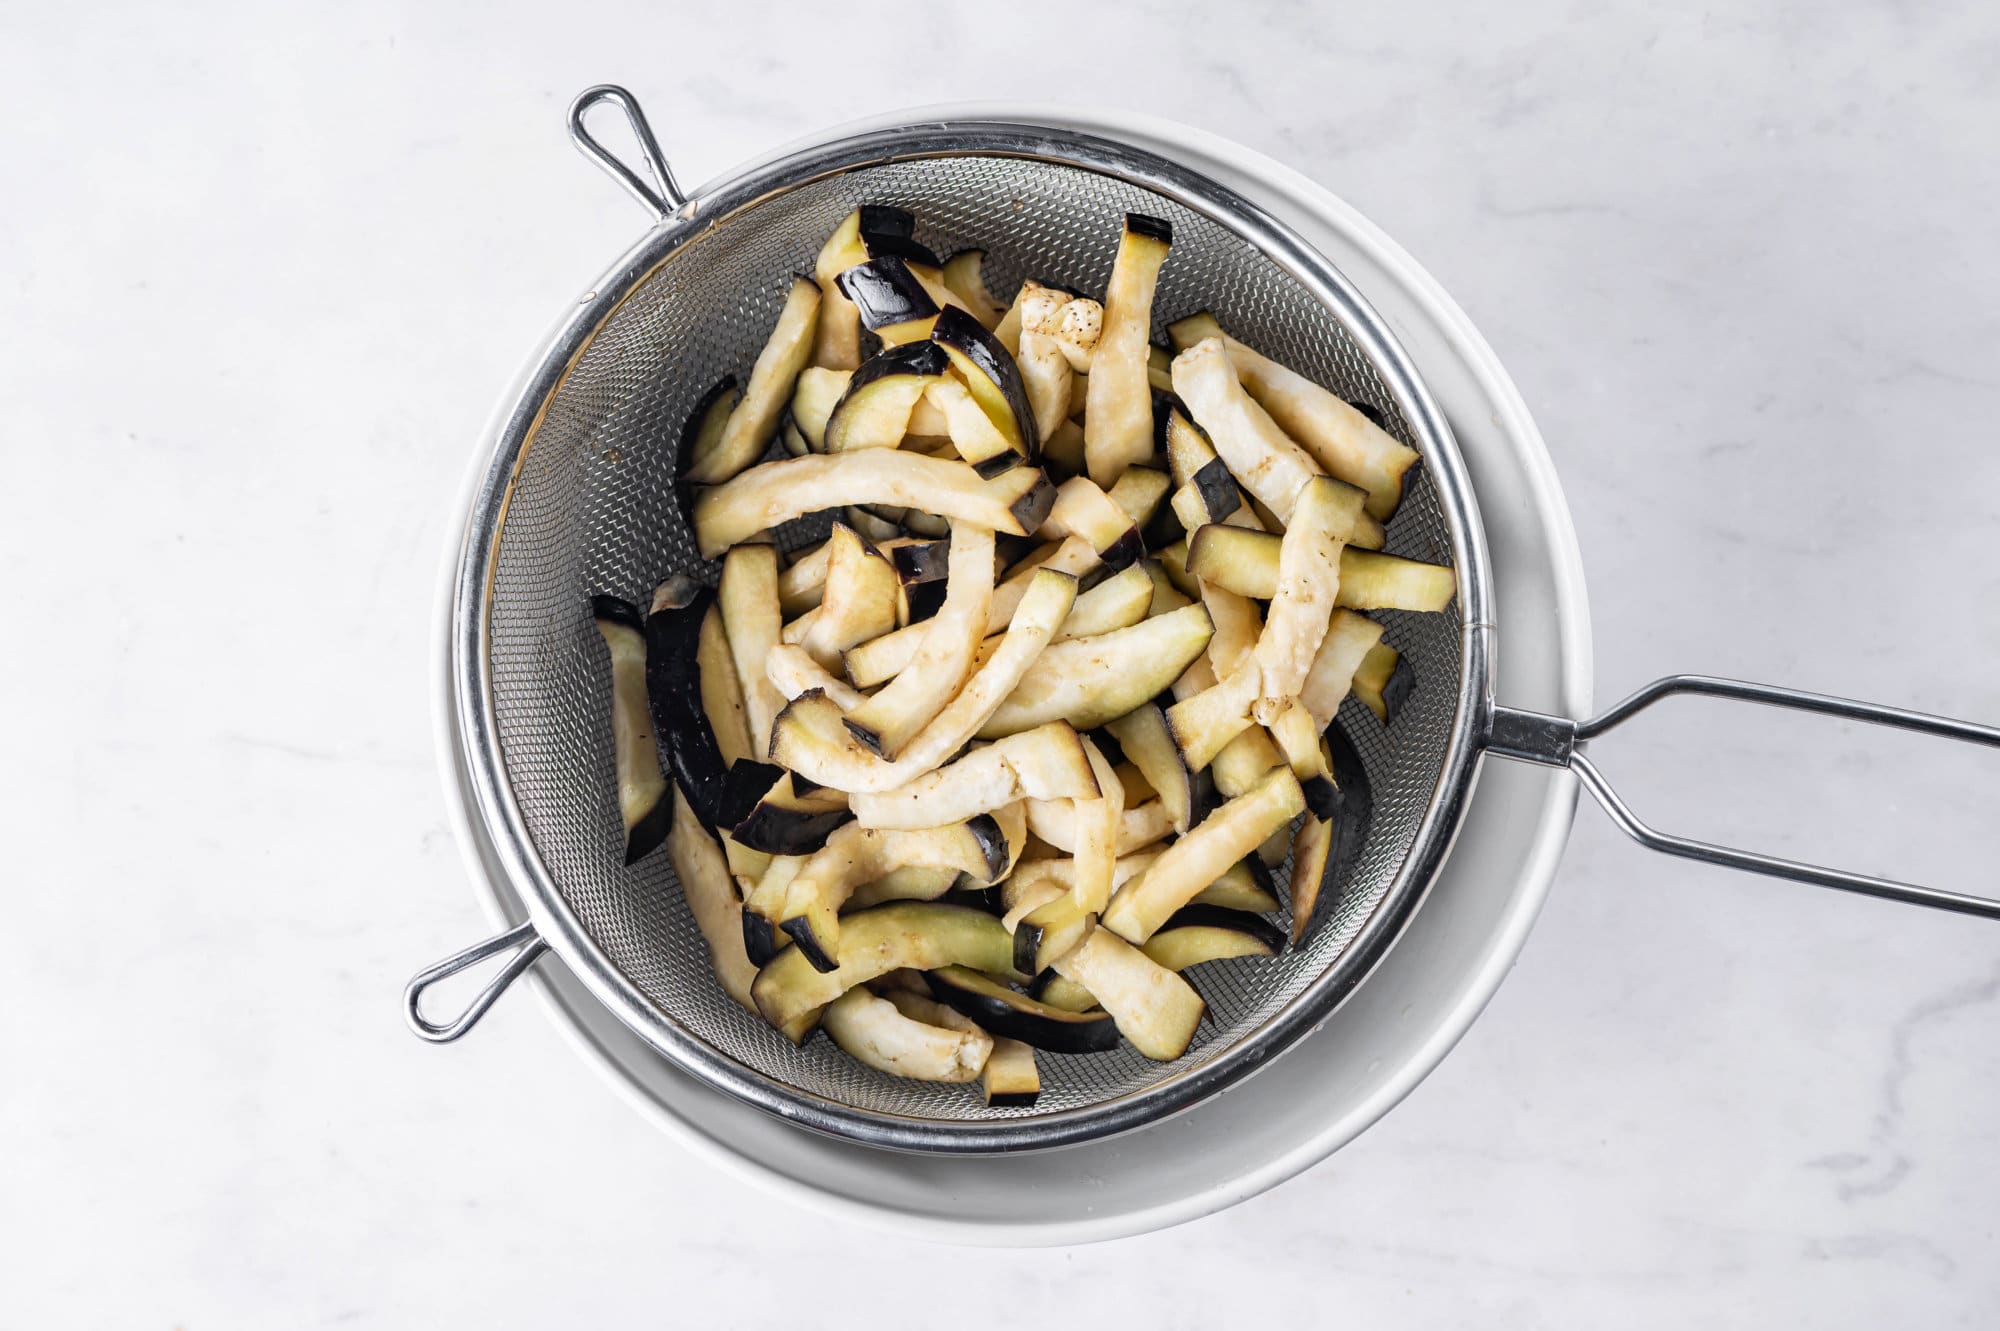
x: 1233, y: 831
x: 776, y: 492
x: 1264, y: 462
x: 1154, y: 1008
x: 1088, y: 681
x: 704, y: 879
x: 754, y: 423
x: 1344, y: 441
x: 1097, y: 825
x: 749, y: 599
x: 945, y: 647
x: 642, y: 788
x: 1046, y: 763
x: 1118, y: 418
x: 1303, y: 600
x: 877, y: 1032
x: 1349, y: 638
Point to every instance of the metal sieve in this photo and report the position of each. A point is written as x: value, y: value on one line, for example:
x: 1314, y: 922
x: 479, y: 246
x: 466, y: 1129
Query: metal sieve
x: 577, y: 499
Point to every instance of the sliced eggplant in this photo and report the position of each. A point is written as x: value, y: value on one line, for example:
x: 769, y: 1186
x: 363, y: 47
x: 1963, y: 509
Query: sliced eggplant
x: 922, y: 935
x: 964, y: 273
x: 1046, y: 378
x: 644, y: 798
x: 1079, y: 330
x: 1097, y: 825
x: 944, y: 649
x: 1197, y: 934
x: 1326, y: 851
x: 705, y: 883
x: 877, y: 1032
x: 1384, y: 682
x: 1233, y: 831
x: 990, y: 375
x: 749, y: 599
x: 1047, y: 763
x: 909, y: 883
x: 814, y: 739
x: 1088, y: 681
x: 1056, y: 822
x: 1244, y: 761
x: 926, y: 524
x: 814, y: 397
x: 1154, y: 1008
x: 792, y: 671
x: 1083, y: 509
x: 766, y: 899
x: 699, y: 720
x: 860, y: 602
x: 775, y: 493
x: 1159, y: 372
x: 855, y: 855
x: 1303, y: 600
x: 921, y: 561
x: 1265, y: 463
x: 874, y: 411
x: 1010, y: 1079
x: 1349, y: 639
x: 1246, y: 562
x: 1341, y: 438
x: 1247, y: 886
x: 794, y: 443
x: 782, y: 821
x: 754, y: 422
x: 1142, y: 734
x: 891, y: 302
x: 1007, y: 1012
x: 702, y: 435
x: 1118, y: 420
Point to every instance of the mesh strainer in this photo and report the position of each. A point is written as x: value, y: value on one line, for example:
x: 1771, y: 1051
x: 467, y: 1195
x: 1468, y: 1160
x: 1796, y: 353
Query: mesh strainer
x: 576, y: 500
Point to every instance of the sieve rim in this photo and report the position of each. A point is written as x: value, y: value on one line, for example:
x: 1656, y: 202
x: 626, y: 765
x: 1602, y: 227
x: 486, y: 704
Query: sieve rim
x: 473, y: 685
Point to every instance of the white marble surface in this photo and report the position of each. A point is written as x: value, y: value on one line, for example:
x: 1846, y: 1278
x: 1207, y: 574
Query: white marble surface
x: 265, y: 273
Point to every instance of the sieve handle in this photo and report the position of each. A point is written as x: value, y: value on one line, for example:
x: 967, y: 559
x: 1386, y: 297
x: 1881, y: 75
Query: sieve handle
x: 522, y: 936
x: 1555, y: 741
x: 663, y: 194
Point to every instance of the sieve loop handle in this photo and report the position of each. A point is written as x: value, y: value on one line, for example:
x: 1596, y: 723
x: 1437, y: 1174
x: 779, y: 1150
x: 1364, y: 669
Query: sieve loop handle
x: 1555, y: 741
x: 662, y: 195
x: 522, y: 936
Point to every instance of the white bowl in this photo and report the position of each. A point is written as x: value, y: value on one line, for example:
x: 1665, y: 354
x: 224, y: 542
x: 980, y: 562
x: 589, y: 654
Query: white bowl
x: 1398, y: 1025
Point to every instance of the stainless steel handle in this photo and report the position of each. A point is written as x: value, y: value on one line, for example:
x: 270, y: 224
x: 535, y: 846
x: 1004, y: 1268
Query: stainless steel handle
x: 522, y: 935
x: 1554, y: 741
x: 663, y: 196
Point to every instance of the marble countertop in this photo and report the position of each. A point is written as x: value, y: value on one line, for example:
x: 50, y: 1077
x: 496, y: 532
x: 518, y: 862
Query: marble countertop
x: 266, y: 271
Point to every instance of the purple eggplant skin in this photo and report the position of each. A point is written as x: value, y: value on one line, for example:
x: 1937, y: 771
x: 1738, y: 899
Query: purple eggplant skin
x: 1221, y: 917
x: 768, y: 827
x: 1162, y: 529
x: 1373, y: 413
x: 758, y: 944
x: 920, y: 358
x: 1033, y: 507
x: 925, y: 599
x: 962, y: 333
x: 1018, y: 1017
x: 808, y: 944
x: 1402, y: 683
x: 928, y: 562
x: 1153, y: 228
x: 1322, y: 796
x: 1219, y: 494
x: 1351, y: 820
x: 716, y: 398
x: 988, y: 899
x: 886, y: 293
x: 673, y: 695
x: 885, y: 219
x: 992, y: 844
x: 882, y: 245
